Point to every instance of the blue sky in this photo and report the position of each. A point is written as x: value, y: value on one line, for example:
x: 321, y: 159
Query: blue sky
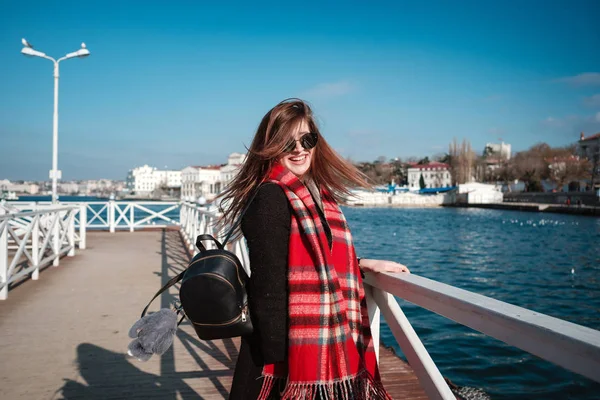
x: 187, y: 82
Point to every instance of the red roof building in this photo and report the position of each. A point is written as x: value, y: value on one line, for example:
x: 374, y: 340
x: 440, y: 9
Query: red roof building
x: 435, y: 175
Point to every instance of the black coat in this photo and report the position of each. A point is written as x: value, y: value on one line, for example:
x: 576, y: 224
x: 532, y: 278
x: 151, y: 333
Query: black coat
x: 266, y: 227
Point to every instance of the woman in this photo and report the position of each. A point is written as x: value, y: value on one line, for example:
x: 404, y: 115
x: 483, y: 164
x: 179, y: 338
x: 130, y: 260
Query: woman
x: 311, y: 334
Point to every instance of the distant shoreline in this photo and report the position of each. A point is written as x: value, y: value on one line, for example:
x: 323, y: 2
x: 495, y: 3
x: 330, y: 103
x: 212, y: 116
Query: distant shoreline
x: 394, y: 205
x: 590, y: 211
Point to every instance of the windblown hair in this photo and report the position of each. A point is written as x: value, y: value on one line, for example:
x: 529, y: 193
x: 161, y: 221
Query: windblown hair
x: 273, y: 134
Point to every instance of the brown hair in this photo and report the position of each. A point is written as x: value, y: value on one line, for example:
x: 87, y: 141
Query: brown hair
x: 274, y: 131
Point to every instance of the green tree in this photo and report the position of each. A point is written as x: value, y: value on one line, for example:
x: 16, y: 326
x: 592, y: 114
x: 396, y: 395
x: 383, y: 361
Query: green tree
x: 423, y: 161
x: 422, y: 182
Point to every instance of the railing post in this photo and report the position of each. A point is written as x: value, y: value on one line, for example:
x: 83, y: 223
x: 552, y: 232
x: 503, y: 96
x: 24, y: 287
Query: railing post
x: 194, y: 228
x: 131, y: 216
x: 56, y: 239
x: 181, y: 218
x: 71, y: 232
x: 4, y: 258
x: 419, y: 359
x: 203, y: 219
x: 111, y: 216
x: 82, y: 225
x: 374, y: 318
x: 35, y: 246
x: 189, y: 223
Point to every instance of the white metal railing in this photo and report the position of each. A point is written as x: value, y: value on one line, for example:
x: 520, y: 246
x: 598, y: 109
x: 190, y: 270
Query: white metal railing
x: 118, y: 215
x: 196, y: 220
x: 30, y: 240
x: 571, y: 346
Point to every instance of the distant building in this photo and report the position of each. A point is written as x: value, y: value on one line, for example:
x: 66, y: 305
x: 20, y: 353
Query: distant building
x: 68, y: 187
x: 101, y: 187
x: 20, y: 188
x: 200, y: 181
x: 234, y: 162
x: 208, y: 181
x: 435, y: 175
x: 589, y: 147
x: 144, y: 180
x: 501, y: 151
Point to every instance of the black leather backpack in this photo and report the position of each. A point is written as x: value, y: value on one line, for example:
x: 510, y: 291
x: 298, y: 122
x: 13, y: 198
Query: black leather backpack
x: 213, y: 290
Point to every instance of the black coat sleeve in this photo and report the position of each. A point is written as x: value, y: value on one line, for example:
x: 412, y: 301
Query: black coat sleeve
x: 266, y: 227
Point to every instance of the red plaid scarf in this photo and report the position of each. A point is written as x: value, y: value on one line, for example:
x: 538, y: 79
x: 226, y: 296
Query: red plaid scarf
x: 330, y: 353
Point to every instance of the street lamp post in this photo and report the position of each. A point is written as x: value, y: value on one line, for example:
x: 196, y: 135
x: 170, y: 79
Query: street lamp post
x: 28, y: 50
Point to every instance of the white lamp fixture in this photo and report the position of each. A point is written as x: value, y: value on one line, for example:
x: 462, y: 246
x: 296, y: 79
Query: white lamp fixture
x: 28, y: 50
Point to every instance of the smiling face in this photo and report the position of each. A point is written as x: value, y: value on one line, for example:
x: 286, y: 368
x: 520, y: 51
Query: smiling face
x: 298, y: 161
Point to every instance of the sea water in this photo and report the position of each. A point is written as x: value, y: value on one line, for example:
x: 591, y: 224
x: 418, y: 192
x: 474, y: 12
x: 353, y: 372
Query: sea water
x: 549, y: 263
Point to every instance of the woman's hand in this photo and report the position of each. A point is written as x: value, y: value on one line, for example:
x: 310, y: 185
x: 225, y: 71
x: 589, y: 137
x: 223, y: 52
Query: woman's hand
x: 368, y: 265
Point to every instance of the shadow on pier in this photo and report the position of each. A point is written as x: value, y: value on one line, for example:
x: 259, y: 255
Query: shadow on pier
x: 69, y: 330
x: 108, y: 374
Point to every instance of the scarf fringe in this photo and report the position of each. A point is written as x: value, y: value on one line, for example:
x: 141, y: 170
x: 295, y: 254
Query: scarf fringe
x: 360, y: 387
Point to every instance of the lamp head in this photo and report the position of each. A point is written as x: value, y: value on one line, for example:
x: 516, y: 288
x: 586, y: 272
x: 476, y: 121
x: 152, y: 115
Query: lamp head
x: 29, y: 51
x: 82, y: 52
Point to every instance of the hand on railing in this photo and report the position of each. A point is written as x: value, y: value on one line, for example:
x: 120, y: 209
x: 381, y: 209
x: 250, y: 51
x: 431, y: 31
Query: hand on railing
x: 368, y: 265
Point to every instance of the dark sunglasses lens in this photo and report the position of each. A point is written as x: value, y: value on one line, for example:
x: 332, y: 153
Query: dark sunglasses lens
x: 309, y: 140
x: 290, y: 146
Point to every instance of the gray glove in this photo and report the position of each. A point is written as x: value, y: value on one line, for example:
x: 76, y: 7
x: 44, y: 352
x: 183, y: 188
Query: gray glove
x: 152, y: 334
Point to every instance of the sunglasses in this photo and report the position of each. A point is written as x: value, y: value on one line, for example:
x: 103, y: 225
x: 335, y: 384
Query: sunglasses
x: 308, y: 141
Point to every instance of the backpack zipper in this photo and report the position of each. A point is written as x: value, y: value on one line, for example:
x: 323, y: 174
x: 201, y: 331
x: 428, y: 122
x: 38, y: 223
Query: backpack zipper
x: 237, y: 272
x: 242, y: 315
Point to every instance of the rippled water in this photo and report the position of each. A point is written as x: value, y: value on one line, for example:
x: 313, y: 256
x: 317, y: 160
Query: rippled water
x: 549, y: 263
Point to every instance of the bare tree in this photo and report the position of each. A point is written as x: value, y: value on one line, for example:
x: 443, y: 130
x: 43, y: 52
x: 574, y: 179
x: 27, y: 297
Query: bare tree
x: 565, y: 167
x: 461, y: 159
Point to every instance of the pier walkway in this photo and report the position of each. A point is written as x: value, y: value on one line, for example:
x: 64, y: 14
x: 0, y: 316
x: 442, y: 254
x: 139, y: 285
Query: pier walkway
x: 64, y: 336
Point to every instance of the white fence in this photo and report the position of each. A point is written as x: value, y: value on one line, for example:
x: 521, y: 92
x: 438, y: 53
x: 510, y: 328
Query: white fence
x: 569, y: 345
x: 30, y: 240
x: 118, y: 215
x: 197, y: 220
x: 42, y: 236
x: 33, y: 235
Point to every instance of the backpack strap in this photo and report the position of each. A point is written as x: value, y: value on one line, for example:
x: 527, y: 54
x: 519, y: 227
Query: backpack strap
x: 201, y: 247
x: 171, y: 282
x: 200, y: 238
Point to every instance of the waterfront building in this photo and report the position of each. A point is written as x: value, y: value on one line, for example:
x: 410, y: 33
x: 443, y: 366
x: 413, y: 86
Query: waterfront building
x: 101, y: 187
x: 589, y: 147
x: 200, y: 181
x: 479, y: 193
x: 228, y: 171
x: 208, y: 181
x: 20, y: 187
x: 435, y: 175
x: 145, y: 179
x: 68, y: 187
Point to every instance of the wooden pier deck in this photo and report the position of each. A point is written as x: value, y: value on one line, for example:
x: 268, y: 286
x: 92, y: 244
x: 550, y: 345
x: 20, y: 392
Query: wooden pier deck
x: 65, y: 335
